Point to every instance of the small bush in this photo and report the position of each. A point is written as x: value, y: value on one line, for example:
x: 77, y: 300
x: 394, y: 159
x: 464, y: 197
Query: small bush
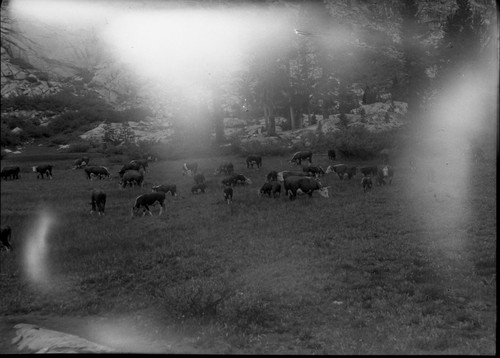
x: 81, y: 147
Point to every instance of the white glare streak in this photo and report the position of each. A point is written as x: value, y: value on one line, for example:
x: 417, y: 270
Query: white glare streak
x: 36, y: 251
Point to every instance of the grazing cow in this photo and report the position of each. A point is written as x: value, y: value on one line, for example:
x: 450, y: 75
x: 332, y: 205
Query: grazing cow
x: 286, y: 173
x: 10, y: 173
x: 189, y: 168
x: 369, y: 170
x: 5, y: 236
x: 166, y: 188
x: 342, y: 170
x: 298, y: 157
x: 145, y: 200
x: 312, y: 170
x: 129, y: 166
x: 228, y: 194
x: 229, y: 181
x: 273, y: 188
x: 225, y: 168
x: 198, y: 187
x: 272, y: 176
x: 385, y: 175
x: 199, y: 178
x: 81, y: 162
x: 98, y: 171
x: 142, y: 163
x: 366, y: 182
x: 306, y: 185
x: 132, y: 176
x: 41, y: 170
x: 98, y: 201
x: 254, y: 159
x: 240, y: 178
x: 331, y: 154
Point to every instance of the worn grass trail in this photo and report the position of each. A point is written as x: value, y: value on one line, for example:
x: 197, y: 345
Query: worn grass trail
x: 407, y: 268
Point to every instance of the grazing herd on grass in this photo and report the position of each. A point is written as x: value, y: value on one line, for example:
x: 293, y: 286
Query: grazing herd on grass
x: 132, y: 174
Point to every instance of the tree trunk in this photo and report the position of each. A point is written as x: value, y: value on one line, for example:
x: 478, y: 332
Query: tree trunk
x: 271, y: 129
x: 293, y: 125
x: 218, y: 120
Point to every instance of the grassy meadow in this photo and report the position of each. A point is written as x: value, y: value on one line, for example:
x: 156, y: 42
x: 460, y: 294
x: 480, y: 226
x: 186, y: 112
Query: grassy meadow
x: 407, y: 268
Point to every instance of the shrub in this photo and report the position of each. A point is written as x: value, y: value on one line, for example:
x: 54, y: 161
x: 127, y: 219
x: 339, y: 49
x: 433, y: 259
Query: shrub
x: 81, y: 147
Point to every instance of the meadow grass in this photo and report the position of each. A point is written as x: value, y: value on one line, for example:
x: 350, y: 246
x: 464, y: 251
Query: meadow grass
x: 407, y: 268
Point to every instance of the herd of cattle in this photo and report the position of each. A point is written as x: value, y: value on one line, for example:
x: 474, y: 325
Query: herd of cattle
x: 293, y: 182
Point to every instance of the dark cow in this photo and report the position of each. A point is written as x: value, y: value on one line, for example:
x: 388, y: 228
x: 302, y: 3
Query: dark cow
x: 369, y: 170
x: 98, y: 171
x: 189, y: 168
x: 342, y: 170
x: 298, y: 157
x: 286, y: 173
x: 312, y: 170
x: 331, y: 154
x: 199, y: 178
x: 228, y: 194
x: 229, y: 181
x: 254, y: 159
x: 225, y: 168
x: 132, y: 177
x: 166, y: 188
x: 271, y: 188
x: 145, y: 200
x: 41, y: 170
x: 10, y: 173
x: 81, y: 162
x: 129, y: 166
x: 272, y: 176
x: 98, y: 201
x: 385, y: 175
x: 199, y: 187
x: 306, y: 185
x: 142, y: 163
x: 5, y: 236
x: 366, y: 182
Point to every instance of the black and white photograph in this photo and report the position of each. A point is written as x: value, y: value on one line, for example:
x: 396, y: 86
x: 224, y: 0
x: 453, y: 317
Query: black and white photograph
x: 285, y: 177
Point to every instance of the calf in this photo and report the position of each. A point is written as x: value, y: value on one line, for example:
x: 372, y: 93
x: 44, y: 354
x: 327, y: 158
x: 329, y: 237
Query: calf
x: 385, y: 175
x: 189, y: 168
x: 10, y: 173
x: 98, y: 201
x: 132, y: 177
x: 41, y: 170
x: 81, y: 162
x: 273, y: 188
x: 254, y: 159
x: 98, y: 171
x: 272, y: 176
x: 5, y: 236
x: 299, y: 156
x: 198, y: 187
x: 199, y: 178
x: 306, y: 185
x: 166, y: 188
x: 366, y: 182
x: 331, y: 154
x: 145, y: 200
x: 228, y: 194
